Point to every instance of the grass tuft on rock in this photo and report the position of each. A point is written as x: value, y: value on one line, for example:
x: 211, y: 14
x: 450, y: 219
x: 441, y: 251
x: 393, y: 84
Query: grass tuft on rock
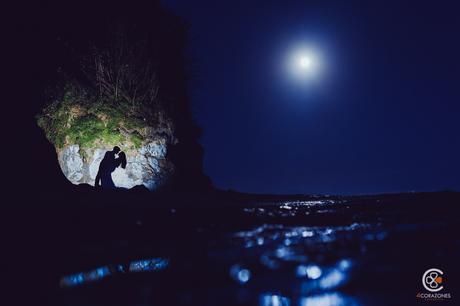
x: 73, y: 120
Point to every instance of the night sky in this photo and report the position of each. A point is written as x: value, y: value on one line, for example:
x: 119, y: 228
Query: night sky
x: 382, y: 116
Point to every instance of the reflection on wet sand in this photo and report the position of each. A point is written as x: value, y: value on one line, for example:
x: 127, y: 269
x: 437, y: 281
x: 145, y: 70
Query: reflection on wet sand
x: 319, y: 252
x: 324, y: 299
x: 144, y: 265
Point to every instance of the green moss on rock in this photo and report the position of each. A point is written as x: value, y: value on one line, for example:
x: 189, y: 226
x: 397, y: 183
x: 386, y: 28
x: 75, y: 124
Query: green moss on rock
x: 76, y: 119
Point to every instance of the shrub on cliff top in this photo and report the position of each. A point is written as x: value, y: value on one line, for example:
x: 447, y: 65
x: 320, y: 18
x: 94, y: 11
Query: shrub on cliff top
x: 118, y: 102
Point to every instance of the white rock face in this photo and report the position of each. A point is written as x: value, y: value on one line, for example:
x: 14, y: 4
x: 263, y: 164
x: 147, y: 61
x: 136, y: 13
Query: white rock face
x: 72, y: 163
x: 146, y: 166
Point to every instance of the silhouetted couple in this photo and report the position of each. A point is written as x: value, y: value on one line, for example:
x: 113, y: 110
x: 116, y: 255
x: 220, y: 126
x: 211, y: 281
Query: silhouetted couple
x: 112, y: 160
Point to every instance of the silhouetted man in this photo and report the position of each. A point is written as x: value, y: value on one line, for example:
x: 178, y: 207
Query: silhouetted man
x: 108, y: 164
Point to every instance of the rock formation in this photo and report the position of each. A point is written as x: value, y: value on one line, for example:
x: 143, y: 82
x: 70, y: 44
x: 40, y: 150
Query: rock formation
x: 82, y: 133
x: 125, y: 85
x: 146, y: 166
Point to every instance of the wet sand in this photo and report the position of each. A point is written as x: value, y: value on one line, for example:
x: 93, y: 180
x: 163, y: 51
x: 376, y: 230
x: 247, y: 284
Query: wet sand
x: 236, y: 249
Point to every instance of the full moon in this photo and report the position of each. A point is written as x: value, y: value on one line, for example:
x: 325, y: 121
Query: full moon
x: 305, y: 62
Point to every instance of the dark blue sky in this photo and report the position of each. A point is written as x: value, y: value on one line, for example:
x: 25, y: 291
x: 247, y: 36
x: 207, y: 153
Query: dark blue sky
x: 383, y: 117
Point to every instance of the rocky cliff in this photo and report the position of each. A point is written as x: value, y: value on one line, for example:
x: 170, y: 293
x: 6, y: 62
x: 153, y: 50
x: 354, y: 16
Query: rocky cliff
x: 82, y: 132
x: 124, y: 84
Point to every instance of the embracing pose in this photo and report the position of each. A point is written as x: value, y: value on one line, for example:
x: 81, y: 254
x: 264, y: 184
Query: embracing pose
x: 112, y: 160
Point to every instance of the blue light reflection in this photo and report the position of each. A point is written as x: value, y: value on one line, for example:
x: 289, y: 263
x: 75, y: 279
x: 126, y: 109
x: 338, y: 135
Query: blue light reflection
x: 144, y: 265
x: 269, y: 299
x: 328, y: 299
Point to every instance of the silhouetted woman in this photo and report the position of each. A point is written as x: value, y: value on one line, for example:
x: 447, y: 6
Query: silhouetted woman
x: 121, y: 160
